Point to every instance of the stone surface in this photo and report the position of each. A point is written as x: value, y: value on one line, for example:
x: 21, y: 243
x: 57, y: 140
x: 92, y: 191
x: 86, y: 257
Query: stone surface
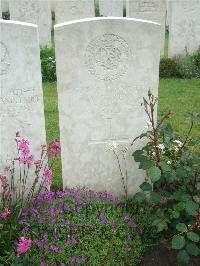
x: 111, y: 8
x: 5, y: 5
x: 0, y: 10
x: 104, y: 68
x: 184, y: 28
x: 154, y: 10
x: 21, y: 96
x: 36, y: 12
x: 67, y: 10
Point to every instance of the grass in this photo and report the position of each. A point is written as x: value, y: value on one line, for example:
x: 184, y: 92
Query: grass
x: 176, y: 95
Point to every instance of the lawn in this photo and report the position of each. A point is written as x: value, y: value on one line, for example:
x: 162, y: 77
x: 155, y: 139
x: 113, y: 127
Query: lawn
x: 176, y: 95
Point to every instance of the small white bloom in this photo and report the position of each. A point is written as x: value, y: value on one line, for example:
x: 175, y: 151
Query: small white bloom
x: 178, y: 142
x: 153, y: 153
x: 176, y: 148
x: 161, y: 146
x: 112, y: 146
x: 169, y: 162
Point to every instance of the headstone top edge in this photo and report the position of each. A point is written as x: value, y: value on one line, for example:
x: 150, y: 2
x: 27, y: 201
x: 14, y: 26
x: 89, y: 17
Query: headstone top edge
x: 3, y: 21
x: 57, y: 26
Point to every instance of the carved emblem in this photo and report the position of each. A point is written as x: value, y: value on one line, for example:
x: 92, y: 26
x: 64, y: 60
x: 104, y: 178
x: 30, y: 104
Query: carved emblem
x: 4, y: 59
x: 107, y: 57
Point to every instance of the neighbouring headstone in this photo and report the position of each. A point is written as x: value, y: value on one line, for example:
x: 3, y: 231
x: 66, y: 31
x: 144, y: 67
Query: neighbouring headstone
x: 5, y: 5
x: 111, y: 8
x: 184, y: 27
x: 153, y: 10
x: 34, y: 11
x: 104, y: 68
x: 0, y: 10
x: 168, y: 13
x: 21, y: 95
x: 67, y: 10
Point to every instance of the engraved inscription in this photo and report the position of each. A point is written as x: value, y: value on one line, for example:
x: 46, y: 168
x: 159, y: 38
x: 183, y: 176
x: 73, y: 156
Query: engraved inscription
x: 15, y: 101
x: 110, y: 135
x: 5, y: 59
x: 107, y: 57
x: 148, y: 6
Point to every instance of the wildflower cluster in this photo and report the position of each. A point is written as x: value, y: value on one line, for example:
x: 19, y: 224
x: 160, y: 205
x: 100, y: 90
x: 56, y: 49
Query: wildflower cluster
x: 172, y: 182
x: 70, y: 228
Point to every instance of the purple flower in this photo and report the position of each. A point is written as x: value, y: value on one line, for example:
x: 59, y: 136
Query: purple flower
x: 72, y: 261
x: 25, y: 229
x: 34, y: 212
x: 102, y: 217
x: 41, y: 220
x: 43, y: 235
x: 66, y: 207
x: 127, y: 218
x: 52, y: 211
x: 54, y: 248
x: 79, y: 226
x: 90, y: 225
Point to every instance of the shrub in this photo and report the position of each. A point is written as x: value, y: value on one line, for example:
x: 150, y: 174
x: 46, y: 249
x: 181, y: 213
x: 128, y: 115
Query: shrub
x: 48, y: 64
x: 172, y: 184
x: 168, y: 68
x: 181, y: 67
x: 79, y: 227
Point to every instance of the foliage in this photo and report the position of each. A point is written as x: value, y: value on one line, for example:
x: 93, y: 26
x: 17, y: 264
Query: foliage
x: 18, y: 188
x: 79, y: 227
x: 172, y: 184
x: 168, y: 68
x: 48, y: 64
x: 6, y: 15
x: 181, y: 67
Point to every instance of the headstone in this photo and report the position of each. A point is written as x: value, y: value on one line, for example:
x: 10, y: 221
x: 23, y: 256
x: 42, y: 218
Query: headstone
x: 53, y: 5
x: 154, y: 10
x: 104, y: 68
x: 5, y: 5
x: 34, y: 11
x: 21, y: 96
x: 111, y: 8
x: 0, y: 10
x: 184, y: 27
x: 168, y: 13
x: 67, y: 10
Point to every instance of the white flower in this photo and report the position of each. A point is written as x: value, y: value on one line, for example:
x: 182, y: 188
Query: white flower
x: 169, y: 162
x: 176, y: 148
x: 178, y: 142
x: 161, y: 146
x: 113, y: 146
x: 153, y: 153
x: 148, y: 126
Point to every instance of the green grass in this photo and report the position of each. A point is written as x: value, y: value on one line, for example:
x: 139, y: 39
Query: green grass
x: 176, y: 95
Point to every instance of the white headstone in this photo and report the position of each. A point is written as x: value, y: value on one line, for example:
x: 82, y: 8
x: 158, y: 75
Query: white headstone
x: 21, y: 96
x: 5, y: 5
x: 104, y: 68
x: 34, y: 11
x: 184, y: 27
x: 67, y: 10
x: 111, y: 8
x: 168, y: 13
x: 0, y: 10
x: 153, y: 10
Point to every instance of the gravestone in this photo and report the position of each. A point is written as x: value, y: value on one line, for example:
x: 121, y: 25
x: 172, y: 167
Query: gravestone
x: 111, y: 8
x: 67, y: 10
x: 184, y: 27
x: 154, y: 10
x: 5, y: 5
x: 104, y: 68
x: 34, y: 11
x: 0, y: 10
x: 21, y: 96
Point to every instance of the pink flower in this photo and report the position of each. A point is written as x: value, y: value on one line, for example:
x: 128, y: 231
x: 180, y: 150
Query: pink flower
x: 23, y: 147
x: 4, y: 179
x: 47, y: 172
x: 23, y: 246
x: 26, y: 159
x: 7, y: 194
x: 48, y: 177
x: 54, y: 148
x: 5, y: 213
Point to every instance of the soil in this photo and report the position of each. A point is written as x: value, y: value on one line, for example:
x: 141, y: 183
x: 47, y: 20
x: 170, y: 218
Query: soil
x: 164, y: 257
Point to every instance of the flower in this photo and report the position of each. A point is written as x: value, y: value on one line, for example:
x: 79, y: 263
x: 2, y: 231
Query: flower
x: 161, y: 146
x: 5, y: 213
x: 23, y: 246
x: 26, y: 159
x: 169, y: 162
x: 7, y: 194
x: 54, y: 148
x: 48, y: 177
x: 4, y: 179
x: 178, y: 142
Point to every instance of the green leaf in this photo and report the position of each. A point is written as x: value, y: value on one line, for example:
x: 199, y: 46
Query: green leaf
x: 154, y: 173
x: 160, y: 224
x: 192, y: 249
x: 176, y: 214
x: 146, y: 186
x: 178, y: 242
x: 139, y: 197
x: 138, y: 155
x: 193, y: 236
x: 183, y: 257
x: 198, y: 186
x: 179, y: 206
x: 191, y: 207
x: 181, y: 227
x: 169, y: 178
x: 165, y: 166
x: 145, y: 164
x: 155, y: 198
